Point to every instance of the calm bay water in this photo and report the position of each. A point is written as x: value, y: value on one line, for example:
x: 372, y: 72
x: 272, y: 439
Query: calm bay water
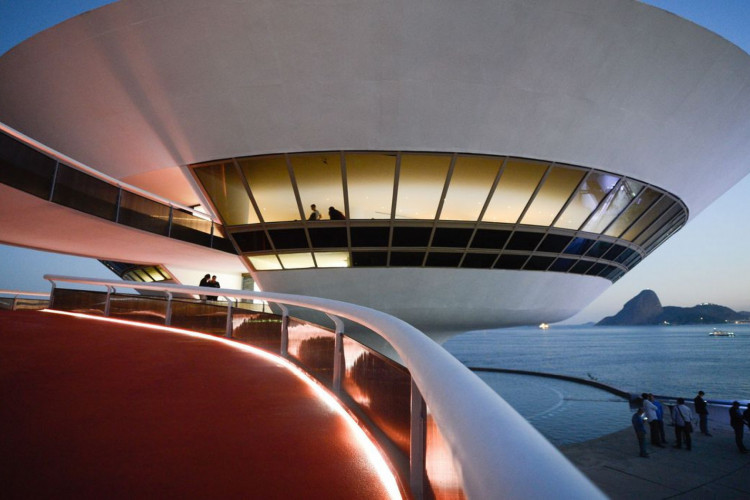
x: 666, y: 360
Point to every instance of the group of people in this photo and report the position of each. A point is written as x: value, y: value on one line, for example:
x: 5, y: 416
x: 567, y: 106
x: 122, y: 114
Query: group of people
x: 209, y: 281
x: 333, y: 214
x: 652, y: 412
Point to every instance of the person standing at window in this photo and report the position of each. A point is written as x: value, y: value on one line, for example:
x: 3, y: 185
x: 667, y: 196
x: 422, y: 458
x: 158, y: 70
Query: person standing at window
x: 315, y: 214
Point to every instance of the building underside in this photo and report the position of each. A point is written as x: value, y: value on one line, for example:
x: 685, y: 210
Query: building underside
x: 498, y: 164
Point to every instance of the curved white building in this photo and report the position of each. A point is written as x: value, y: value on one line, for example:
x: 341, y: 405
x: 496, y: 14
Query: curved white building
x: 497, y: 162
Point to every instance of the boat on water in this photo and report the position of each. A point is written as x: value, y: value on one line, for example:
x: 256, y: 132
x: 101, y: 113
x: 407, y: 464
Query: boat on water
x: 544, y: 326
x: 721, y: 333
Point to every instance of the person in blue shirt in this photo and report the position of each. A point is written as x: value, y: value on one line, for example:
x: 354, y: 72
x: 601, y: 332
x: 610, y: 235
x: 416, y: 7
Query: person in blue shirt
x: 640, y: 430
x: 659, y: 419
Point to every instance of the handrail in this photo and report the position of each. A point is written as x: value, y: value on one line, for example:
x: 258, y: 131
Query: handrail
x: 497, y: 453
x: 18, y: 293
x: 99, y: 175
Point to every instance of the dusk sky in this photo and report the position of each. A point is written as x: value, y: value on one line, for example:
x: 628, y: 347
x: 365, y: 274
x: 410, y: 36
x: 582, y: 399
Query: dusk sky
x: 707, y: 261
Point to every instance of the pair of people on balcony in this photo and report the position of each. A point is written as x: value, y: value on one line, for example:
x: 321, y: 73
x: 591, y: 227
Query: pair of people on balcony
x: 209, y: 281
x: 333, y: 214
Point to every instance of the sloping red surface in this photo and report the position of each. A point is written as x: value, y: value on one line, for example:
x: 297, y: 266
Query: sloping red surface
x: 99, y: 410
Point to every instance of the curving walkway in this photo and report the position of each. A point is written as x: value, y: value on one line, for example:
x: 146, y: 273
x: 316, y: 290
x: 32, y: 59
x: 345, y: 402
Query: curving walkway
x: 100, y: 410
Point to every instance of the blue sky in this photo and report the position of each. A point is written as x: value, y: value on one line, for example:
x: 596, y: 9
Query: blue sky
x: 708, y: 261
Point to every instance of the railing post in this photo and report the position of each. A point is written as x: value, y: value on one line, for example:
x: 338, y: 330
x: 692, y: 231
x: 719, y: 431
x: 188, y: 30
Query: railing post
x: 168, y: 315
x: 338, y: 353
x: 230, y: 313
x: 284, y: 350
x: 418, y: 443
x: 52, y: 295
x: 15, y: 303
x: 110, y: 289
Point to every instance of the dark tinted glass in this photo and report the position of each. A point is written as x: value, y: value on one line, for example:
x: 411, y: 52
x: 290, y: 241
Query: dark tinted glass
x: 625, y: 255
x: 613, y: 252
x: 579, y: 246
x: 223, y: 244
x: 83, y: 192
x: 581, y: 267
x: 539, y: 263
x: 25, y: 168
x: 511, y: 261
x: 252, y: 241
x: 479, y: 260
x: 562, y: 265
x: 411, y: 259
x: 599, y: 248
x: 369, y: 259
x: 370, y: 236
x: 143, y: 213
x: 524, y: 241
x: 328, y: 237
x: 487, y: 238
x: 443, y: 259
x: 451, y: 237
x: 285, y: 239
x: 411, y: 236
x: 188, y: 227
x: 596, y: 269
x: 554, y: 243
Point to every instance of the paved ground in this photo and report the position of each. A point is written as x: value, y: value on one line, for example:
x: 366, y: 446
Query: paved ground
x: 713, y: 469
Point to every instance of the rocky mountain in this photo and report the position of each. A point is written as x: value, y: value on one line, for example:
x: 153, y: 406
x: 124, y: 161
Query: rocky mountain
x: 646, y: 309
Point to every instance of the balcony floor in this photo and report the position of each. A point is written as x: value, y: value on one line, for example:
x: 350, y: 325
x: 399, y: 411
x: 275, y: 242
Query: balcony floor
x: 102, y: 410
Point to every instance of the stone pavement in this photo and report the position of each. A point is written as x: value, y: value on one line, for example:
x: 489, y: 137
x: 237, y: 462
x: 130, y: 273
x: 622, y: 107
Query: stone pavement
x: 713, y: 469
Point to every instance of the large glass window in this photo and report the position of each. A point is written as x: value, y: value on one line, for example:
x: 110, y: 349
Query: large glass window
x: 469, y: 187
x: 297, y: 260
x: 640, y: 205
x: 420, y: 185
x: 369, y: 179
x: 83, y: 192
x: 143, y: 213
x: 270, y: 184
x: 265, y: 262
x: 332, y: 259
x: 615, y: 203
x: 319, y: 181
x: 592, y: 191
x: 658, y: 224
x: 224, y: 186
x: 557, y: 188
x: 648, y: 218
x: 517, y: 183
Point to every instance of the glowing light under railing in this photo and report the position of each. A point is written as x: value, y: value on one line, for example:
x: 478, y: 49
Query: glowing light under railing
x: 371, y: 451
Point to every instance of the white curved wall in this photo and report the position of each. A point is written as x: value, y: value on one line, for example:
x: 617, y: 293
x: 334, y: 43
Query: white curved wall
x: 139, y: 86
x: 445, y: 301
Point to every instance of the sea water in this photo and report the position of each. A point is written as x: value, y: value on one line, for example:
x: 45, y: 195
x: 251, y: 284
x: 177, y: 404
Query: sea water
x: 675, y: 361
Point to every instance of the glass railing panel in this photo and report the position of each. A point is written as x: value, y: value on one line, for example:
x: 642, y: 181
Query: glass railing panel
x: 369, y: 178
x: 138, y: 308
x: 590, y: 193
x: 143, y: 213
x: 262, y: 330
x: 188, y: 227
x: 83, y: 192
x: 557, y: 188
x: 271, y: 186
x: 224, y: 186
x: 318, y: 178
x: 312, y: 346
x: 469, y: 187
x: 443, y: 480
x: 199, y: 316
x: 420, y: 185
x: 80, y: 301
x: 25, y: 168
x: 381, y: 388
x: 517, y: 183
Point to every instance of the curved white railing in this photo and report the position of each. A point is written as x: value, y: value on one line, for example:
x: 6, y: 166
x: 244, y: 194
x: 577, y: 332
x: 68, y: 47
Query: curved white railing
x: 17, y: 294
x: 497, y: 453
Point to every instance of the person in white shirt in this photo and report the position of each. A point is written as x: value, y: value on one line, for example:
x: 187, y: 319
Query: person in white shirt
x: 651, y: 415
x: 682, y: 418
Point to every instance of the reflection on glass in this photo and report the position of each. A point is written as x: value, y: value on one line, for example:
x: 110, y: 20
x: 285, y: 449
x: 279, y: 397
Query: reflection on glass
x: 318, y: 179
x: 557, y: 188
x: 517, y: 183
x: 270, y: 184
x: 442, y: 476
x: 369, y: 179
x: 264, y: 262
x: 640, y: 205
x: 593, y: 189
x: 650, y: 216
x: 420, y: 185
x: 224, y: 186
x: 469, y: 187
x: 332, y: 259
x: 615, y: 203
x: 296, y: 260
x: 660, y: 223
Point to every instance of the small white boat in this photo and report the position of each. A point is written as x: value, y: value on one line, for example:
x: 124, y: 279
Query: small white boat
x: 721, y: 333
x: 544, y: 326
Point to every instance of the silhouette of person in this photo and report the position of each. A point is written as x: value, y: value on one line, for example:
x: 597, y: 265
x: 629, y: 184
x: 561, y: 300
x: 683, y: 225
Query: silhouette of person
x: 737, y: 423
x: 682, y: 416
x: 701, y: 408
x: 213, y: 284
x: 640, y: 431
x: 204, y: 282
x: 650, y: 410
x: 315, y: 214
x: 334, y: 214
